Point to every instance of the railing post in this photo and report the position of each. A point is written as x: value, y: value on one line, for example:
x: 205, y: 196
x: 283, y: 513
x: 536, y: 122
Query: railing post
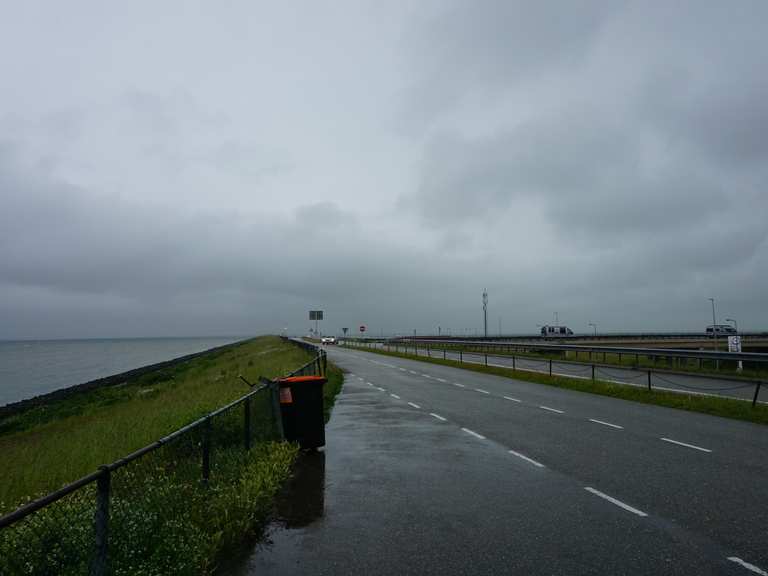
x: 274, y: 393
x: 428, y: 354
x: 461, y: 356
x: 593, y: 372
x: 513, y: 363
x: 757, y: 393
x: 649, y: 380
x: 247, y: 423
x: 550, y: 366
x: 444, y: 354
x: 486, y: 358
x: 99, y: 562
x: 207, y: 450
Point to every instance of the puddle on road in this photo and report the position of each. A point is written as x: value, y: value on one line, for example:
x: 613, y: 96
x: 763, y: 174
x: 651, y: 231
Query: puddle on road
x: 299, y: 504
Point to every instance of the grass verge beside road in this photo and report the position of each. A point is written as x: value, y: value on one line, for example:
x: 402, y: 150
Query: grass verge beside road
x: 725, y: 407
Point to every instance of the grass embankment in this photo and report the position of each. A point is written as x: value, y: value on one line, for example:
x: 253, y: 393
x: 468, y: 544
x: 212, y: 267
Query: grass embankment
x: 45, y: 447
x: 163, y: 518
x: 737, y: 409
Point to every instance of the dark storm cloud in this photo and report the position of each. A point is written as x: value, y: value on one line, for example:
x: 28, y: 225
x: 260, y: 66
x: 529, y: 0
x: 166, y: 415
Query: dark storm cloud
x: 602, y: 159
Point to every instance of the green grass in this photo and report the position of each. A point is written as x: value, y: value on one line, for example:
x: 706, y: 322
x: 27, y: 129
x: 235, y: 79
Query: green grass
x: 46, y: 447
x: 727, y: 408
x: 163, y: 518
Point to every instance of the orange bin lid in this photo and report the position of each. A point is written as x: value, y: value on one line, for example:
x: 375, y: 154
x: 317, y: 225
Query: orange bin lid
x: 302, y: 379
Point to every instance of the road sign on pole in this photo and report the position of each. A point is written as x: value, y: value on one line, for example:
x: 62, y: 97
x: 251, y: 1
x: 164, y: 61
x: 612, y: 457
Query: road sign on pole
x: 734, y: 345
x: 316, y: 315
x: 362, y: 329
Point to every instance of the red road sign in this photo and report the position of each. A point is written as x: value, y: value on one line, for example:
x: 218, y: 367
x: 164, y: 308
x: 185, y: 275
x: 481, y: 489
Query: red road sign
x: 362, y: 328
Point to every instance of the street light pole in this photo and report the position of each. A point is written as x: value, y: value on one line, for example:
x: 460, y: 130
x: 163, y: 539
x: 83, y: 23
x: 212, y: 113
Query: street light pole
x: 594, y: 326
x: 485, y: 313
x: 714, y: 324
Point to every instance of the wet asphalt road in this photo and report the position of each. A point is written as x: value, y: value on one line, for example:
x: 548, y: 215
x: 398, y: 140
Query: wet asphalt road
x: 435, y: 470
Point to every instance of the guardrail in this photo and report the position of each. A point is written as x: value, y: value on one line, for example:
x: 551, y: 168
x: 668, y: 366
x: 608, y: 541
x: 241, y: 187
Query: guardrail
x: 592, y: 370
x: 111, y: 520
x: 624, y: 350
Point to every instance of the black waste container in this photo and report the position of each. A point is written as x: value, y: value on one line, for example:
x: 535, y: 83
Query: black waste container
x: 301, y: 407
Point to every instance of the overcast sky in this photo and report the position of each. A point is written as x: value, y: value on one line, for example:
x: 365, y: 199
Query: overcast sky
x: 215, y: 168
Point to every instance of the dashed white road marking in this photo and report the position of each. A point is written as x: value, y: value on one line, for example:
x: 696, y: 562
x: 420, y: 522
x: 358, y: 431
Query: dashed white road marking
x: 459, y: 384
x: 414, y: 405
x: 607, y: 424
x: 510, y: 398
x: 686, y: 445
x: 473, y: 433
x: 413, y: 372
x: 481, y: 391
x: 524, y: 457
x: 441, y: 379
x: 618, y: 503
x: 403, y: 369
x: 369, y: 383
x: 380, y: 389
x: 552, y: 409
x: 395, y: 396
x: 361, y: 379
x: 426, y: 376
x: 748, y: 566
x: 437, y: 416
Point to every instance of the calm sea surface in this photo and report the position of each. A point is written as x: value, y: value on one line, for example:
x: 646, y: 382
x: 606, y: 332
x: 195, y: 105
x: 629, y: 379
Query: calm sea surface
x: 29, y: 368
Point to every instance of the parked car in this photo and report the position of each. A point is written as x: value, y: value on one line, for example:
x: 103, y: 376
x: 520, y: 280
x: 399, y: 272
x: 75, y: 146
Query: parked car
x: 328, y: 340
x: 717, y: 329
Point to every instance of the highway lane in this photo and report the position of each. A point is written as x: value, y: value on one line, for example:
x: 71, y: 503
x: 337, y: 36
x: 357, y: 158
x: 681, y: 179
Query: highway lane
x: 434, y: 469
x: 691, y: 384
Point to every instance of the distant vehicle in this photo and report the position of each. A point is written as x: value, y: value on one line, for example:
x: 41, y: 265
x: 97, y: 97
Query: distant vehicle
x: 556, y: 331
x: 721, y: 329
x: 328, y: 340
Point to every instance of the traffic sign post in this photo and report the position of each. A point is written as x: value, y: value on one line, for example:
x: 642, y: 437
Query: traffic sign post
x: 734, y: 345
x: 316, y: 315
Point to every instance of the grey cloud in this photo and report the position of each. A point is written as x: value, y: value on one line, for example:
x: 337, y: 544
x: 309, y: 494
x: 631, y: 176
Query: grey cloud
x: 602, y: 159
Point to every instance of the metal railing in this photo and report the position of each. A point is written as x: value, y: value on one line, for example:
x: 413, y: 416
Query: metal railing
x: 479, y: 352
x: 142, y: 507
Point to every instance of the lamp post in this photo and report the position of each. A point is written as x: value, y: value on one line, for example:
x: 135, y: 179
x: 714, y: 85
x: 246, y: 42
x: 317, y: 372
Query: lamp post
x: 594, y: 326
x: 714, y: 324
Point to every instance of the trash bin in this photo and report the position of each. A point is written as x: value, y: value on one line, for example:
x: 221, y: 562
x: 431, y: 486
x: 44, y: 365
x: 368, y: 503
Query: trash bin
x: 301, y: 407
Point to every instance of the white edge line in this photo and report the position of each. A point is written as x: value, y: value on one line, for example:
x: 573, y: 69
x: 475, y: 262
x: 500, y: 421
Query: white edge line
x: 510, y: 398
x: 437, y: 416
x: 473, y: 433
x: 747, y: 565
x: 414, y: 405
x: 395, y: 396
x: 618, y: 503
x: 606, y: 424
x: 524, y: 457
x: 552, y: 409
x: 686, y: 445
x: 481, y: 391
